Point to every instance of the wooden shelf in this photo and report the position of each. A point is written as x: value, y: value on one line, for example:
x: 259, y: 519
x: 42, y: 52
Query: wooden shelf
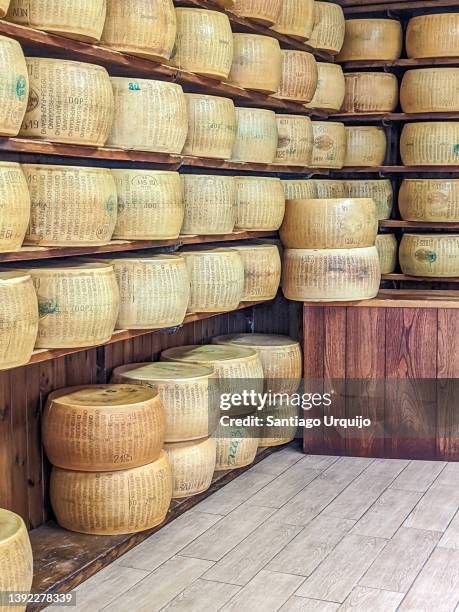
x: 432, y: 225
x: 402, y: 63
x: 387, y: 117
x: 395, y: 276
x: 383, y: 170
x: 354, y: 7
x: 399, y: 298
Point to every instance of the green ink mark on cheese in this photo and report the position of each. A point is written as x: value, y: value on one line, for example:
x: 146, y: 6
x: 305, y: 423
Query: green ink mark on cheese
x: 111, y: 204
x: 48, y: 307
x: 21, y: 87
x: 456, y: 149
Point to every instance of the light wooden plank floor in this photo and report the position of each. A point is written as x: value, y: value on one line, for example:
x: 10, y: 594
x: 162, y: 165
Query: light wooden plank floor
x: 301, y: 533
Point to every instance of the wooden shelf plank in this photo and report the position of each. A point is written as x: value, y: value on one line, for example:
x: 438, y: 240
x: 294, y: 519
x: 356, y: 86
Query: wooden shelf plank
x: 398, y: 170
x: 420, y: 279
x: 404, y: 63
x: 352, y: 7
x: 403, y: 117
x: 396, y: 298
x: 432, y: 225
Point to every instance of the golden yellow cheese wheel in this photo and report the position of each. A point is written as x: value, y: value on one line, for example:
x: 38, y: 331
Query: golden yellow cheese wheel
x: 279, y: 423
x: 236, y: 446
x: 366, y: 145
x: 4, y: 4
x: 69, y: 102
x: 256, y: 62
x: 16, y: 560
x: 14, y: 206
x: 429, y: 199
x: 71, y: 205
x: 430, y: 255
x: 371, y: 39
x: 379, y: 190
x: 430, y: 90
x: 192, y: 465
x: 329, y: 146
x: 260, y: 203
x: 299, y: 189
x: 430, y: 143
x: 433, y: 36
x: 112, y: 503
x: 256, y: 136
x: 150, y: 204
x: 18, y: 319
x: 328, y: 32
x: 187, y: 392
x: 145, y: 28
x: 149, y: 116
x: 370, y: 92
x: 330, y: 275
x: 262, y: 271
x: 14, y: 87
x: 103, y: 428
x: 210, y: 204
x: 299, y: 76
x: 327, y: 189
x: 265, y: 12
x: 386, y: 245
x: 78, y: 19
x: 295, y: 140
x: 330, y: 90
x: 296, y: 18
x: 211, y: 126
x: 204, y: 42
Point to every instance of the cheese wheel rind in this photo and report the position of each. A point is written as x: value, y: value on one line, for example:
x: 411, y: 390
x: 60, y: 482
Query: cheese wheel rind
x: 430, y: 255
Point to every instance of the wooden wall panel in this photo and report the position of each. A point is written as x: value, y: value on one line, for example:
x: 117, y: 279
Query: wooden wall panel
x: 313, y: 356
x: 448, y: 384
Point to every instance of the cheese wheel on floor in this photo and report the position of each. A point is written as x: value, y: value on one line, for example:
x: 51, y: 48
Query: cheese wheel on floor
x: 260, y: 203
x: 256, y: 136
x: 329, y: 146
x: 283, y: 428
x: 236, y: 446
x: 192, y: 465
x: 296, y: 18
x: 295, y: 140
x: 379, y: 190
x: 430, y: 143
x: 265, y: 12
x: 370, y: 92
x: 365, y: 146
x: 299, y: 76
x: 210, y: 204
x: 387, y: 246
x: 299, y: 189
x: 328, y: 32
x: 14, y: 87
x: 16, y: 560
x: 432, y: 36
x: 262, y: 271
x: 371, y: 39
x: 14, y: 207
x: 330, y: 90
x: 429, y: 199
x: 327, y: 189
x: 256, y: 63
x: 103, y: 428
x: 435, y: 255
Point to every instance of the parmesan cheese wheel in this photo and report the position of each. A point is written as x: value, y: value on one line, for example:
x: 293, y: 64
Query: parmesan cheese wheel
x: 329, y: 147
x: 217, y: 279
x: 14, y: 206
x: 327, y: 189
x: 210, y: 204
x: 262, y: 271
x: 299, y: 76
x: 283, y: 428
x: 78, y: 304
x: 430, y: 255
x: 14, y: 87
x: 103, y: 428
x: 79, y: 19
x: 69, y: 102
x: 260, y: 203
x: 149, y: 116
x: 295, y: 140
x: 16, y: 561
x: 296, y: 18
x: 18, y: 319
x: 112, y: 503
x: 330, y: 275
x: 145, y: 28
x: 379, y: 190
x: 370, y: 92
x: 365, y: 146
x: 192, y: 466
x: 433, y: 36
x: 256, y: 63
x: 430, y: 90
x: 429, y: 199
x: 71, y: 205
x: 371, y: 39
x: 150, y: 204
x: 236, y: 447
x: 386, y: 245
x: 211, y: 126
x: 4, y: 4
x: 433, y: 143
x: 328, y: 32
x: 299, y: 189
x: 265, y: 12
x: 187, y: 392
x: 204, y: 42
x: 256, y: 136
x: 330, y: 90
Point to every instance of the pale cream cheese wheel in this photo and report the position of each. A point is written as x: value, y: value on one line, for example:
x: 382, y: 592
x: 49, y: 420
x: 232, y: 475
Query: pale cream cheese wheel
x: 430, y: 90
x: 265, y: 12
x: 192, y: 465
x: 433, y: 199
x: 256, y: 63
x: 435, y: 255
x: 330, y: 90
x: 210, y: 204
x: 366, y: 145
x: 328, y: 32
x: 281, y: 429
x: 260, y: 203
x: 433, y: 36
x: 329, y: 146
x: 371, y: 39
x: 370, y: 92
x: 379, y: 190
x: 14, y: 206
x: 299, y: 189
x: 16, y: 559
x: 236, y: 446
x: 430, y: 143
x: 295, y: 140
x: 296, y: 18
x: 14, y: 87
x: 262, y: 271
x: 256, y: 136
x: 299, y: 76
x: 327, y: 189
x: 386, y: 245
x: 4, y: 4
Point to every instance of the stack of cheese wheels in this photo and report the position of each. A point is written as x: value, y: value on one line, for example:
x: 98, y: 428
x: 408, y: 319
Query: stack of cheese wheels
x: 141, y: 27
x: 204, y: 43
x: 154, y: 290
x: 371, y: 39
x: 4, y: 4
x: 82, y: 20
x: 211, y: 126
x: 150, y: 204
x: 370, y: 92
x: 299, y: 189
x: 14, y: 91
x: 78, y: 303
x: 330, y: 89
x: 430, y: 90
x: 386, y: 245
x: 283, y: 413
x: 262, y: 271
x: 192, y: 465
x: 299, y: 76
x: 216, y: 277
x: 265, y: 12
x: 256, y: 63
x: 329, y: 145
x: 210, y: 204
x: 430, y: 255
x: 18, y: 319
x: 433, y: 36
x: 430, y: 143
x: 429, y: 199
x: 237, y: 445
x: 149, y: 115
x: 256, y: 136
x: 280, y: 358
x: 69, y: 102
x: 379, y: 190
x: 260, y: 203
x: 328, y: 32
x: 295, y: 140
x: 327, y: 189
x: 71, y: 205
x: 14, y: 206
x: 16, y: 560
x: 366, y: 145
x: 296, y: 18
